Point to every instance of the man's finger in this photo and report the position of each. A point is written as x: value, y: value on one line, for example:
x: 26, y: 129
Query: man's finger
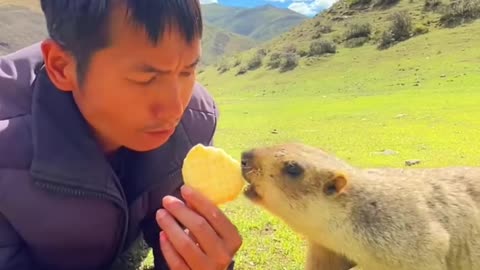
x: 200, y: 228
x: 215, y: 217
x: 194, y: 239
x: 182, y: 243
x: 173, y: 259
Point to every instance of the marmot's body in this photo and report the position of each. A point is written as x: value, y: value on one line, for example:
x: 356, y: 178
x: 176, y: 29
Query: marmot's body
x: 378, y: 219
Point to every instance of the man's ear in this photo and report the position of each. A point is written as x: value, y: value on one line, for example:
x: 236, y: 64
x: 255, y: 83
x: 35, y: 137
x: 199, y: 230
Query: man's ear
x: 60, y: 65
x: 336, y: 184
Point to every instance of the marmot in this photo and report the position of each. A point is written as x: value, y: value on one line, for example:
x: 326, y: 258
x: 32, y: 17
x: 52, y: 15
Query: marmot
x: 373, y: 219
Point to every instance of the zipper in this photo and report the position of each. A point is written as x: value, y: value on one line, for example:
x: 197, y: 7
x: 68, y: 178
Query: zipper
x: 126, y: 216
x: 98, y: 195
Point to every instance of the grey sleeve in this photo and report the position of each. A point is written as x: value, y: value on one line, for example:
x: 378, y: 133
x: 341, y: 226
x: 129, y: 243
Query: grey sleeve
x: 13, y: 253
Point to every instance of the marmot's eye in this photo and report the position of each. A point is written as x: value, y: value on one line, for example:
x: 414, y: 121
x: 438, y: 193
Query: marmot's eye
x: 293, y: 169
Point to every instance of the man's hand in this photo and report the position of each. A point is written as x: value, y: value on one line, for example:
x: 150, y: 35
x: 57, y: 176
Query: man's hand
x: 211, y: 241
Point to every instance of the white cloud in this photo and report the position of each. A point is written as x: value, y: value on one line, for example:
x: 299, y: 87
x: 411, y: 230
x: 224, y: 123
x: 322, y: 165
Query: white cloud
x: 203, y: 2
x: 310, y: 7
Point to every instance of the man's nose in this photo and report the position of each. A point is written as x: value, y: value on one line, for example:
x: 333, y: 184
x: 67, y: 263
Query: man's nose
x: 168, y: 101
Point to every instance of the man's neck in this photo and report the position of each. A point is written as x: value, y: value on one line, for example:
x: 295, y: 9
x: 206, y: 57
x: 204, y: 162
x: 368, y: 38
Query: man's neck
x: 109, y: 148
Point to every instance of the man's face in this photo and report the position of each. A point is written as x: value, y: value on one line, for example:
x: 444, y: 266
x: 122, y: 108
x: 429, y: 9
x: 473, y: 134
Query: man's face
x: 134, y: 93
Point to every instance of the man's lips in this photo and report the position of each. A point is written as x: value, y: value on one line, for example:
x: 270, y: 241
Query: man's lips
x: 159, y: 131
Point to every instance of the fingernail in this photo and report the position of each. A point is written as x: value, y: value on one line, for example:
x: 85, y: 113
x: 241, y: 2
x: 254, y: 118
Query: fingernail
x: 168, y: 201
x: 186, y: 190
x: 161, y: 213
x: 163, y: 237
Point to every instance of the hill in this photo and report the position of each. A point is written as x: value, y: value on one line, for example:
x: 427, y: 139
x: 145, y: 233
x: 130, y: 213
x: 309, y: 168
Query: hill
x: 16, y: 33
x: 260, y: 23
x: 218, y: 43
x: 351, y: 24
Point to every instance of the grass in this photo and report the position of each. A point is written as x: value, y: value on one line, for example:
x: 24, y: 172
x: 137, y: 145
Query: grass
x: 419, y: 99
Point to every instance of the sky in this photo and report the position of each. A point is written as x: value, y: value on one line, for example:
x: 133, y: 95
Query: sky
x: 306, y: 7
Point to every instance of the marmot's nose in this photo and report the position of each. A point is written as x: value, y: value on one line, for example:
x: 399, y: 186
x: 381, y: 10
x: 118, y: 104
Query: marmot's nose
x: 247, y: 160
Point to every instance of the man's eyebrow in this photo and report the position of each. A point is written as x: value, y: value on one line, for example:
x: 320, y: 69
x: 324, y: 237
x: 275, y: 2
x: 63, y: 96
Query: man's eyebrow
x: 194, y: 63
x: 150, y: 69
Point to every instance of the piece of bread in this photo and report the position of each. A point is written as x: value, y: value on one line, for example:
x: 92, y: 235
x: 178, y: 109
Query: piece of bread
x: 213, y: 172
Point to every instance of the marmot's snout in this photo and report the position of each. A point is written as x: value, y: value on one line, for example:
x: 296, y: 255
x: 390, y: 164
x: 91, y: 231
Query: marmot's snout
x: 249, y: 168
x: 247, y: 164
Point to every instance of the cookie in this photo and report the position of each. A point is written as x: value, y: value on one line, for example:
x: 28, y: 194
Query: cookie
x: 214, y: 173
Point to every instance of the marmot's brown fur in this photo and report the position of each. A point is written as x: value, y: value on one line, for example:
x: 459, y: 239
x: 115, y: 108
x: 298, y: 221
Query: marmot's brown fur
x: 376, y: 219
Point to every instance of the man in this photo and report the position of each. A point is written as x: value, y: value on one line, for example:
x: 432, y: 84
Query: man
x: 94, y: 125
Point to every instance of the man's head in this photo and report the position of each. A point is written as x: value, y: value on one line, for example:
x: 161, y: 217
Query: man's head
x: 129, y: 64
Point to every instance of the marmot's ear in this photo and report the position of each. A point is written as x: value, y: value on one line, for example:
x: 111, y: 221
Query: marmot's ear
x: 336, y: 184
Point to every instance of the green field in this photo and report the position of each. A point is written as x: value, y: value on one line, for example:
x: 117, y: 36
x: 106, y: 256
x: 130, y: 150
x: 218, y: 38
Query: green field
x: 420, y: 98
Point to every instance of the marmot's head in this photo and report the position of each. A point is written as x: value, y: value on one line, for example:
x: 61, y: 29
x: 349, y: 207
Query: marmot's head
x: 287, y: 178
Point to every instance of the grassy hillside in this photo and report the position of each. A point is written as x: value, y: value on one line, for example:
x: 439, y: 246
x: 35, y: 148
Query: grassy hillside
x: 218, y: 43
x: 260, y: 23
x: 367, y: 88
x: 16, y: 33
x: 348, y: 26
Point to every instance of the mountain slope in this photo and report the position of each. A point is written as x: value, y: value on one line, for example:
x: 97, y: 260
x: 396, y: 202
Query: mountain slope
x: 261, y: 23
x: 218, y: 43
x: 216, y: 14
x: 348, y: 25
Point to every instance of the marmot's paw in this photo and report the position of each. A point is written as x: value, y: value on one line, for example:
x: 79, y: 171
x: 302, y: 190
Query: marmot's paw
x: 213, y: 172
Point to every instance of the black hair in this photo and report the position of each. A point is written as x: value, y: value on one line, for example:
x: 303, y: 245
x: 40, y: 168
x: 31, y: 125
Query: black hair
x: 81, y: 27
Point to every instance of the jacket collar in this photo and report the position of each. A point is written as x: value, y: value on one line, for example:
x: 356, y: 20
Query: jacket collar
x: 66, y: 154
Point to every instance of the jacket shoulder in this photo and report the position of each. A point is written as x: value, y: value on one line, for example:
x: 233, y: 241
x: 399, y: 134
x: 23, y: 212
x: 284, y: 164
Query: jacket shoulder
x: 201, y: 116
x: 16, y: 143
x: 17, y: 73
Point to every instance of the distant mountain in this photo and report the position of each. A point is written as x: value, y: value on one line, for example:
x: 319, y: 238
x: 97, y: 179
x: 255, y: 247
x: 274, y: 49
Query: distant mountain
x: 22, y: 23
x: 228, y: 30
x: 260, y: 23
x: 218, y: 43
x: 351, y: 29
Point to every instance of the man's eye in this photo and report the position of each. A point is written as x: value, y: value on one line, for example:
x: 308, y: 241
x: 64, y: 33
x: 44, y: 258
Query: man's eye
x: 142, y: 80
x: 186, y: 74
x: 147, y: 81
